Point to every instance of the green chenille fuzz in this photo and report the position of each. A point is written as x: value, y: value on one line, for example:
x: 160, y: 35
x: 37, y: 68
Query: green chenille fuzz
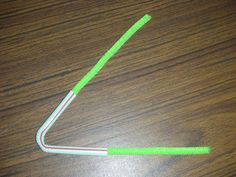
x: 159, y: 151
x: 104, y: 59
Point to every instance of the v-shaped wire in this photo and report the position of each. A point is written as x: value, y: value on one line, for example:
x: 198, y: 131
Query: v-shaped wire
x: 105, y: 151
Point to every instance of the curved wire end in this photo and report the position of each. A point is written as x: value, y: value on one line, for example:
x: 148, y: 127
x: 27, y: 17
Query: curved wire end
x: 63, y: 149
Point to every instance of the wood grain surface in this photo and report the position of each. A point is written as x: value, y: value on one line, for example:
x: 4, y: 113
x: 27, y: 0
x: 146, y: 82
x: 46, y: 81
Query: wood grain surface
x: 172, y: 84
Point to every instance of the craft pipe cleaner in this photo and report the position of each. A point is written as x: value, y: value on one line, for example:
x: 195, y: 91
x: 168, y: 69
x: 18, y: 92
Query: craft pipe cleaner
x: 106, y: 151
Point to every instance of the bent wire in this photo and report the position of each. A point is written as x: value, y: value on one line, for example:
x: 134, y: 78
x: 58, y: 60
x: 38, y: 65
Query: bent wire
x: 105, y: 151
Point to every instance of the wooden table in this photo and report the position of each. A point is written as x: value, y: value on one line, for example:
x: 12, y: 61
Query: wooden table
x: 172, y: 84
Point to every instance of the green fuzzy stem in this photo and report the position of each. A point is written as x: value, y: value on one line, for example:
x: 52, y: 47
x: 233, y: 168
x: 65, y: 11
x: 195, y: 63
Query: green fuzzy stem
x: 159, y: 150
x: 104, y: 59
